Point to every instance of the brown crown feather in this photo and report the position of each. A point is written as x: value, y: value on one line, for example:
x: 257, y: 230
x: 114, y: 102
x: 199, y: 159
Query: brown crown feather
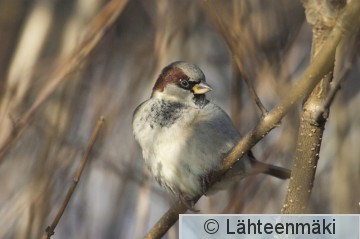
x: 170, y: 74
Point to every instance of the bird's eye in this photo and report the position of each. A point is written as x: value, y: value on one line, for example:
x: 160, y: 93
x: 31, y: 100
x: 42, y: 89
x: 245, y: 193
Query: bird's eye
x: 184, y: 83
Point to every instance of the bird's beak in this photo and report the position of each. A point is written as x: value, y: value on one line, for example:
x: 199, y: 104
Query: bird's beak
x: 201, y: 88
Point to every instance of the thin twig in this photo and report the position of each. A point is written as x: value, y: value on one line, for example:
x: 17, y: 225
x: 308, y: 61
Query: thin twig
x: 95, y: 32
x: 236, y: 52
x: 254, y: 95
x: 342, y: 76
x: 308, y: 80
x: 166, y: 221
x: 236, y: 96
x: 50, y: 229
x: 335, y: 87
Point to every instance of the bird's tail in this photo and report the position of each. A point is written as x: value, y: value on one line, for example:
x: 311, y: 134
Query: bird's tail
x: 260, y: 167
x: 244, y: 168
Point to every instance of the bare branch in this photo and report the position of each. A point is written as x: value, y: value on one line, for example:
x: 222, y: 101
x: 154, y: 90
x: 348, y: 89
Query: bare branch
x: 235, y: 50
x: 311, y: 129
x: 335, y: 87
x: 254, y: 95
x: 341, y: 77
x: 235, y: 95
x: 50, y: 229
x: 167, y: 220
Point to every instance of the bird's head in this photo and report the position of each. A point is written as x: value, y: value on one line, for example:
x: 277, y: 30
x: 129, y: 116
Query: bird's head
x: 183, y: 82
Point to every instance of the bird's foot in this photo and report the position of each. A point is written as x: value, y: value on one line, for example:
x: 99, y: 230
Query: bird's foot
x: 205, y: 183
x: 188, y: 203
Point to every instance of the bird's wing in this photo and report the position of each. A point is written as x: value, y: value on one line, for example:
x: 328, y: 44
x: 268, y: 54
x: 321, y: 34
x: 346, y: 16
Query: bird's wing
x: 214, y: 131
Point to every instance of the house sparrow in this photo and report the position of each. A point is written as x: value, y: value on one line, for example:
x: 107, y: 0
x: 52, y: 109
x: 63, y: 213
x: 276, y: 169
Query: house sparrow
x: 184, y: 137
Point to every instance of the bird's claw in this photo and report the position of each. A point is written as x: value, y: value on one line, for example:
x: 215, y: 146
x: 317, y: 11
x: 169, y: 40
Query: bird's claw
x: 205, y: 183
x: 188, y: 203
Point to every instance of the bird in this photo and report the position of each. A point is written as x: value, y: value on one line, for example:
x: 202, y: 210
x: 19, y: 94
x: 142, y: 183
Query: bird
x: 184, y: 137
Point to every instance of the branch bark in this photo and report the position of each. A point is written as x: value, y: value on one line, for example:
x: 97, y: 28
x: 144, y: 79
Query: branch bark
x: 320, y: 66
x: 322, y: 16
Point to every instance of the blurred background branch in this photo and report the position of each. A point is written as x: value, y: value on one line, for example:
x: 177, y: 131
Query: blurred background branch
x: 93, y: 35
x: 116, y: 198
x: 95, y: 134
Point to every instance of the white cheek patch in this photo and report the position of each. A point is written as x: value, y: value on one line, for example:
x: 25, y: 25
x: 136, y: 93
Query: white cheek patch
x: 175, y: 92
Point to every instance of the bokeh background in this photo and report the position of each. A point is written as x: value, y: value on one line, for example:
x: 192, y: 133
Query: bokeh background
x: 116, y: 197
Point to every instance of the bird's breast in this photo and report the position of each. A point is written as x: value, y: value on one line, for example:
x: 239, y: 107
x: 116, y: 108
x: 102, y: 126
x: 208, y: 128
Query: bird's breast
x: 164, y: 114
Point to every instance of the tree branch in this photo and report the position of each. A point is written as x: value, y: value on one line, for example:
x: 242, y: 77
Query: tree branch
x: 334, y: 88
x: 237, y: 52
x: 342, y: 69
x: 50, y: 229
x: 311, y: 128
